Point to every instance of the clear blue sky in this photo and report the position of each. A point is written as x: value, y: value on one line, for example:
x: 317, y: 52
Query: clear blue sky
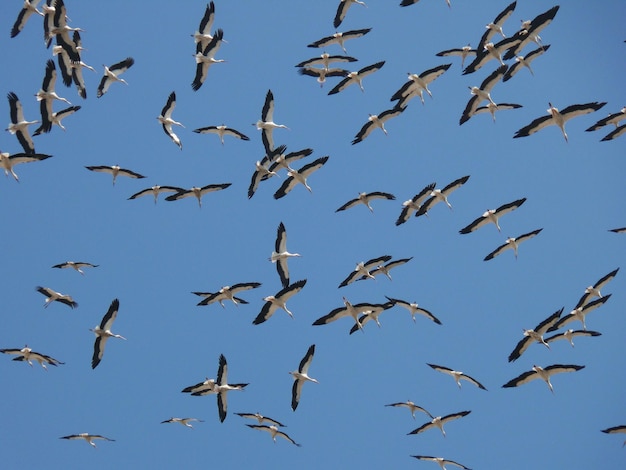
x: 152, y: 257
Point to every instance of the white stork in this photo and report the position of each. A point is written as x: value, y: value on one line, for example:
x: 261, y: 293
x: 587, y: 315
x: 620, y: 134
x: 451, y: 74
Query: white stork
x: 61, y: 30
x: 614, y: 134
x: 441, y: 195
x: 325, y: 59
x: 8, y: 161
x: 55, y: 118
x: 496, y: 26
x: 342, y: 10
x: 363, y: 269
x: 53, y: 296
x: 535, y: 335
x: 222, y: 387
x: 75, y: 265
x: 570, y: 334
x: 205, y: 57
x: 280, y: 255
x: 524, y: 61
x: 184, y: 421
x: 347, y: 310
x: 457, y: 375
x: 594, y: 290
x: 482, y: 93
x: 618, y: 230
x: 112, y: 74
x: 321, y: 74
x: 412, y: 407
x: 227, y: 293
x: 221, y: 131
x: 414, y: 204
x: 46, y: 94
x: 512, y: 243
x: 266, y: 124
x: 529, y: 32
x: 103, y: 332
x: 300, y: 176
x: 490, y: 51
x: 155, y: 191
x: 261, y: 419
x: 300, y: 376
x: 544, y: 373
x: 261, y: 173
x: 165, y: 118
x: 371, y: 314
x: 558, y: 118
x: 377, y: 120
x: 279, y: 300
x: 115, y: 171
x: 491, y: 108
x: 87, y: 437
x: 462, y: 52
x: 274, y: 431
x: 28, y: 355
x: 613, y: 118
x: 365, y: 199
x: 30, y: 7
x: 492, y: 216
x: 356, y: 77
x: 580, y: 313
x: 406, y: 3
x: 414, y: 309
x: 278, y: 159
x: 439, y: 421
x: 417, y: 84
x: 440, y: 461
x: 340, y: 38
x: 19, y: 125
x: 197, y: 192
x: 206, y: 387
x: 385, y: 268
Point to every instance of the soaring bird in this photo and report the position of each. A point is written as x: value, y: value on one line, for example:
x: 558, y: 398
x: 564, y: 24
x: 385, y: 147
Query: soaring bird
x: 411, y: 206
x: 570, y: 334
x: 356, y: 77
x: 76, y: 265
x: 440, y: 461
x: 325, y: 59
x: 615, y: 133
x: 222, y: 387
x: 491, y: 108
x: 441, y: 195
x: 221, y: 131
x: 482, y: 93
x: 489, y: 52
x: 55, y: 118
x: 165, y: 118
x: 340, y: 38
x: 439, y: 421
x: 613, y: 118
x: 385, y: 268
x: 512, y: 243
x: 417, y: 84
x: 87, y: 437
x: 274, y: 431
x: 372, y: 313
x: 280, y: 255
x: 261, y: 419
x: 544, y: 373
x: 321, y: 74
x: 594, y: 290
x: 457, y: 375
x: 112, y: 74
x: 266, y: 124
x: 205, y: 57
x: 8, y: 161
x: 462, y: 52
x: 279, y: 300
x: 103, y: 332
x: 377, y: 120
x: 363, y: 269
x: 184, y: 421
x: 46, y: 95
x: 349, y: 310
x: 227, y: 293
x: 535, y: 335
x: 300, y: 376
x: 524, y: 61
x: 19, y: 125
x: 529, y: 32
x: 299, y: 176
x: 197, y: 192
x: 53, y: 296
x: 30, y: 7
x: 496, y: 26
x: 342, y: 10
x: 115, y: 171
x: 60, y: 30
x: 414, y: 309
x: 412, y: 407
x: 365, y: 199
x: 28, y: 355
x: 155, y: 191
x: 580, y: 313
x: 558, y: 118
x: 492, y: 216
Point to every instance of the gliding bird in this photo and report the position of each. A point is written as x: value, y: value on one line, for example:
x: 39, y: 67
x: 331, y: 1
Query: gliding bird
x: 266, y: 124
x: 482, y: 93
x: 7, y: 161
x: 300, y: 176
x: 197, y: 192
x: 184, y: 421
x: 18, y: 125
x: 535, y: 335
x: 377, y: 120
x: 340, y: 38
x: 365, y: 198
x: 545, y: 374
x: 103, y: 333
x: 441, y: 195
x: 492, y: 216
x: 457, y: 375
x: 342, y: 10
x: 28, y: 355
x: 76, y: 265
x: 274, y: 431
x: 300, y: 376
x: 115, y: 171
x: 512, y: 243
x: 30, y: 7
x: 280, y: 255
x: 87, y: 437
x: 165, y: 118
x: 439, y: 421
x: 112, y: 73
x: 52, y: 296
x: 279, y: 300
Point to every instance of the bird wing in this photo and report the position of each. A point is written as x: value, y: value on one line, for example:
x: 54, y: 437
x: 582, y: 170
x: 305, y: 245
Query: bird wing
x: 605, y: 279
x: 129, y: 173
x: 110, y: 315
x: 222, y: 371
x: 267, y: 113
x: 303, y: 368
x: 98, y: 350
x: 222, y: 404
x: 367, y: 128
x: 296, y: 390
x: 497, y: 251
x: 534, y: 126
x: 615, y: 133
x: 522, y: 346
x: 207, y: 19
x: 581, y: 109
x: 167, y: 110
x: 342, y: 9
x: 122, y: 66
x: 349, y: 204
x: 521, y: 379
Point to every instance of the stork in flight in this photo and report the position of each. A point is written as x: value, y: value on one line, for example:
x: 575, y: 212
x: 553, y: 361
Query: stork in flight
x: 350, y: 310
x: 512, y: 243
x: 439, y: 421
x: 266, y: 124
x: 340, y: 38
x: 299, y: 176
x: 227, y: 293
x: 615, y: 430
x: 457, y: 375
x: 279, y: 300
x: 544, y: 373
x: 496, y: 26
x: 462, y: 52
x: 203, y: 35
x: 363, y: 269
x: 441, y: 195
x: 280, y: 255
x: 222, y: 387
x: 414, y: 309
x: 155, y: 191
x: 411, y: 206
x: 524, y: 61
x: 417, y: 84
x: 365, y: 199
x: 342, y: 10
x: 28, y: 355
x: 411, y: 406
x: 205, y: 57
x: 580, y: 313
x: 261, y: 419
x: 441, y: 461
x: 570, y: 334
x: 221, y: 131
x: 274, y: 431
x: 115, y: 171
x: 197, y: 192
x: 594, y: 290
x: 535, y: 335
x: 356, y: 77
x: 300, y: 376
x: 52, y: 296
x: 492, y: 216
x: 558, y: 118
x: 19, y: 125
x: 112, y: 74
x: 377, y: 120
x: 165, y: 118
x: 8, y: 161
x: 482, y: 93
x: 184, y: 421
x: 87, y: 437
x: 76, y: 265
x: 30, y: 7
x: 103, y: 332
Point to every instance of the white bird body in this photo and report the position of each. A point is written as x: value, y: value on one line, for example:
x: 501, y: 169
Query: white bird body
x: 75, y: 265
x: 228, y: 293
x: 266, y: 124
x: 155, y: 191
x: 197, y: 192
x: 321, y: 74
x: 19, y: 125
x: 365, y: 199
x: 205, y: 57
x: 221, y: 131
x: 300, y: 376
x: 340, y: 38
x: 103, y: 332
x: 356, y: 77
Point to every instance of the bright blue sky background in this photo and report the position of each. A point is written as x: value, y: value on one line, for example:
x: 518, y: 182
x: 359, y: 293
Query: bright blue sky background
x: 152, y: 257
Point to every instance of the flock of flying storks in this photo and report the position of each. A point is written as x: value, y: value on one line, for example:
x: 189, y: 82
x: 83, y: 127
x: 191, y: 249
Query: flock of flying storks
x: 207, y: 43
